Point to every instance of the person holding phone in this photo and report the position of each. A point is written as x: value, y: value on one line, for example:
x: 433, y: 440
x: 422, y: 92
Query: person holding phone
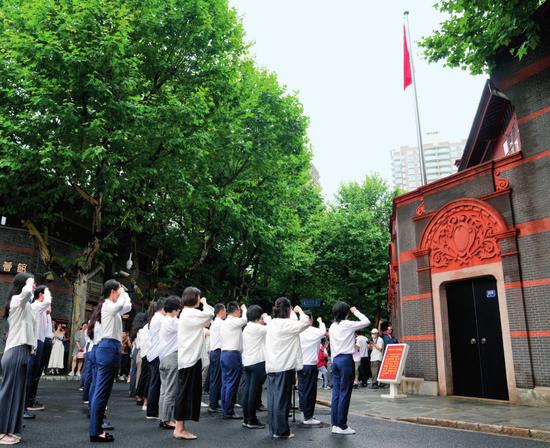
x: 377, y: 352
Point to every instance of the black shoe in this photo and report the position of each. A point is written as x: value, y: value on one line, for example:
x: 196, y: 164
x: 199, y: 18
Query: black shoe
x: 165, y: 425
x: 106, y: 426
x: 213, y: 410
x: 261, y: 409
x: 257, y: 425
x: 27, y: 415
x: 108, y: 438
x: 36, y: 406
x: 140, y: 402
x: 231, y: 417
x: 374, y: 386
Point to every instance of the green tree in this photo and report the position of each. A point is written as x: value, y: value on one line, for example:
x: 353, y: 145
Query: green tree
x: 352, y: 246
x: 102, y: 103
x: 476, y: 29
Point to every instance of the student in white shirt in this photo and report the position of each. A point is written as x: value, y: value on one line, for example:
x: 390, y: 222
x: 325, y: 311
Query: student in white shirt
x: 231, y: 358
x: 21, y: 341
x: 215, y: 357
x: 153, y: 394
x: 142, y: 388
x: 342, y: 343
x: 168, y: 355
x: 310, y: 341
x: 42, y: 301
x: 376, y: 355
x: 190, y: 350
x: 107, y: 355
x: 282, y: 345
x: 254, y: 365
x: 364, y: 369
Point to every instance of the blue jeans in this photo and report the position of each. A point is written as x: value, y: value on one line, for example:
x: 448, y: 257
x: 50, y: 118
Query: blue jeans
x: 107, y: 357
x: 343, y: 374
x: 232, y: 368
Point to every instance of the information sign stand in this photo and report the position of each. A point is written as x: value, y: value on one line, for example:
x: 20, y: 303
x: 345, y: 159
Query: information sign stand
x: 392, y: 367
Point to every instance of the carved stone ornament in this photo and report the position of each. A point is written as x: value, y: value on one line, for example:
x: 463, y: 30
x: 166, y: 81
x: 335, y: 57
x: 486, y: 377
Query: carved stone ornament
x: 420, y: 209
x: 463, y: 234
x: 501, y: 183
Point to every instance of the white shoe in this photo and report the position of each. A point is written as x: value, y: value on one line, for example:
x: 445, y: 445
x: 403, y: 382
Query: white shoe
x: 237, y: 405
x: 71, y: 374
x: 144, y: 408
x: 312, y: 421
x: 203, y: 404
x: 346, y: 432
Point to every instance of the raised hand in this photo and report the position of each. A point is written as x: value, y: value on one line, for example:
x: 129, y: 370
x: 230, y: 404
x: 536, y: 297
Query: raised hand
x: 353, y: 310
x: 298, y: 310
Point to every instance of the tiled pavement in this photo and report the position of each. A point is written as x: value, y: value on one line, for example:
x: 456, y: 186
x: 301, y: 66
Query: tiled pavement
x: 473, y: 414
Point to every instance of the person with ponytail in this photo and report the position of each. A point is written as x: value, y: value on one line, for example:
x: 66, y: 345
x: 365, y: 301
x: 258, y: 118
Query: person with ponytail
x: 282, y: 358
x: 342, y: 343
x: 190, y: 350
x: 108, y: 355
x: 21, y: 341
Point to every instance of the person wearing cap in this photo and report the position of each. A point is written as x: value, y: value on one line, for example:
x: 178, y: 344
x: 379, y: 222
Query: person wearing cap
x: 377, y: 347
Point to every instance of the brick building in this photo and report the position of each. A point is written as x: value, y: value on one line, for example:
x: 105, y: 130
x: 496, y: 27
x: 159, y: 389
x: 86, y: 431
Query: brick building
x: 469, y: 282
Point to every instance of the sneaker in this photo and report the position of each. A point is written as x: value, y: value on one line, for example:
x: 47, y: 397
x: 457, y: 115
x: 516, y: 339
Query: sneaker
x: 152, y: 417
x: 311, y: 421
x: 213, y: 410
x: 237, y: 405
x: 244, y: 425
x: 346, y: 432
x: 203, y: 404
x: 28, y: 415
x: 289, y: 436
x: 257, y: 425
x: 107, y: 426
x: 70, y: 374
x: 36, y: 406
x: 81, y: 389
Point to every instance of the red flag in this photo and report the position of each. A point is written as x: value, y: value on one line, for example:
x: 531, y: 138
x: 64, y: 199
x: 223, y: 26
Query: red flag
x: 407, y: 74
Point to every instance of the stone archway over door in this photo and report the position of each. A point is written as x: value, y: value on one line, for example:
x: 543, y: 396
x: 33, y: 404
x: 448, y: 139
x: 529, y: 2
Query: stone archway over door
x: 461, y: 242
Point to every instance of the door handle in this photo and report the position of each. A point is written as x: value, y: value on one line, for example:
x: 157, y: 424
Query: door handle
x: 473, y: 341
x: 483, y: 341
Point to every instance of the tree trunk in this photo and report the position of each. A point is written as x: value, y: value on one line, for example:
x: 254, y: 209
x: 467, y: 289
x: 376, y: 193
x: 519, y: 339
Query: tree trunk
x: 80, y: 295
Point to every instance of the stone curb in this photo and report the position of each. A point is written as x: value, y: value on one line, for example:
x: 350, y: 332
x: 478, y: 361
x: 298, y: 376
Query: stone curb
x: 513, y: 431
x: 57, y: 378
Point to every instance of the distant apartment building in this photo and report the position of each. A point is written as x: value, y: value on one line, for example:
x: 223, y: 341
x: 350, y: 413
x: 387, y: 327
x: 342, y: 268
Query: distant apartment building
x: 439, y: 157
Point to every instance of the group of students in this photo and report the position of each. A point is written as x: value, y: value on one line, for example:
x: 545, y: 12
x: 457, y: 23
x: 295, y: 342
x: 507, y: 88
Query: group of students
x: 242, y: 347
x: 27, y: 309
x: 173, y: 350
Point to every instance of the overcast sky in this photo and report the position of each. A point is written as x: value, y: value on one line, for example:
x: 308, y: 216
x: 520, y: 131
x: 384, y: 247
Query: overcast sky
x: 345, y: 60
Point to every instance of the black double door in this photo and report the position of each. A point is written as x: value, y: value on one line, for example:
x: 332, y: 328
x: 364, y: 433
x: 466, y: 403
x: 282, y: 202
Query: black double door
x: 476, y: 339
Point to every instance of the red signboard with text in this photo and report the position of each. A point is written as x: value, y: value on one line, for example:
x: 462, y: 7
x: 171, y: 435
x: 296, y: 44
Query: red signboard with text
x: 393, y: 363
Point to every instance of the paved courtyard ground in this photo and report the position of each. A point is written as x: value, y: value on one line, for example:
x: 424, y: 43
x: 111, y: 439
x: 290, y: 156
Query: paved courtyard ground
x: 64, y: 424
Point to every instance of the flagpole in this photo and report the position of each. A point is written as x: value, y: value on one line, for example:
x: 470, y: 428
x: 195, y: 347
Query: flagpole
x: 423, y: 177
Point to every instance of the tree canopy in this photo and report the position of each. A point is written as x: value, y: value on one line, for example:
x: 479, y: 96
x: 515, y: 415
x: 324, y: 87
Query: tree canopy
x: 149, y: 121
x: 475, y: 30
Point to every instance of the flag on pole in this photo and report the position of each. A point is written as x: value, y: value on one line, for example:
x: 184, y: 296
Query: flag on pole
x: 407, y: 73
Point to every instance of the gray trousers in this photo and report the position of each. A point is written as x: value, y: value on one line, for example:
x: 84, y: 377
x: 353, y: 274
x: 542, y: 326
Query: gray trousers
x: 168, y: 386
x: 279, y: 393
x: 12, y: 390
